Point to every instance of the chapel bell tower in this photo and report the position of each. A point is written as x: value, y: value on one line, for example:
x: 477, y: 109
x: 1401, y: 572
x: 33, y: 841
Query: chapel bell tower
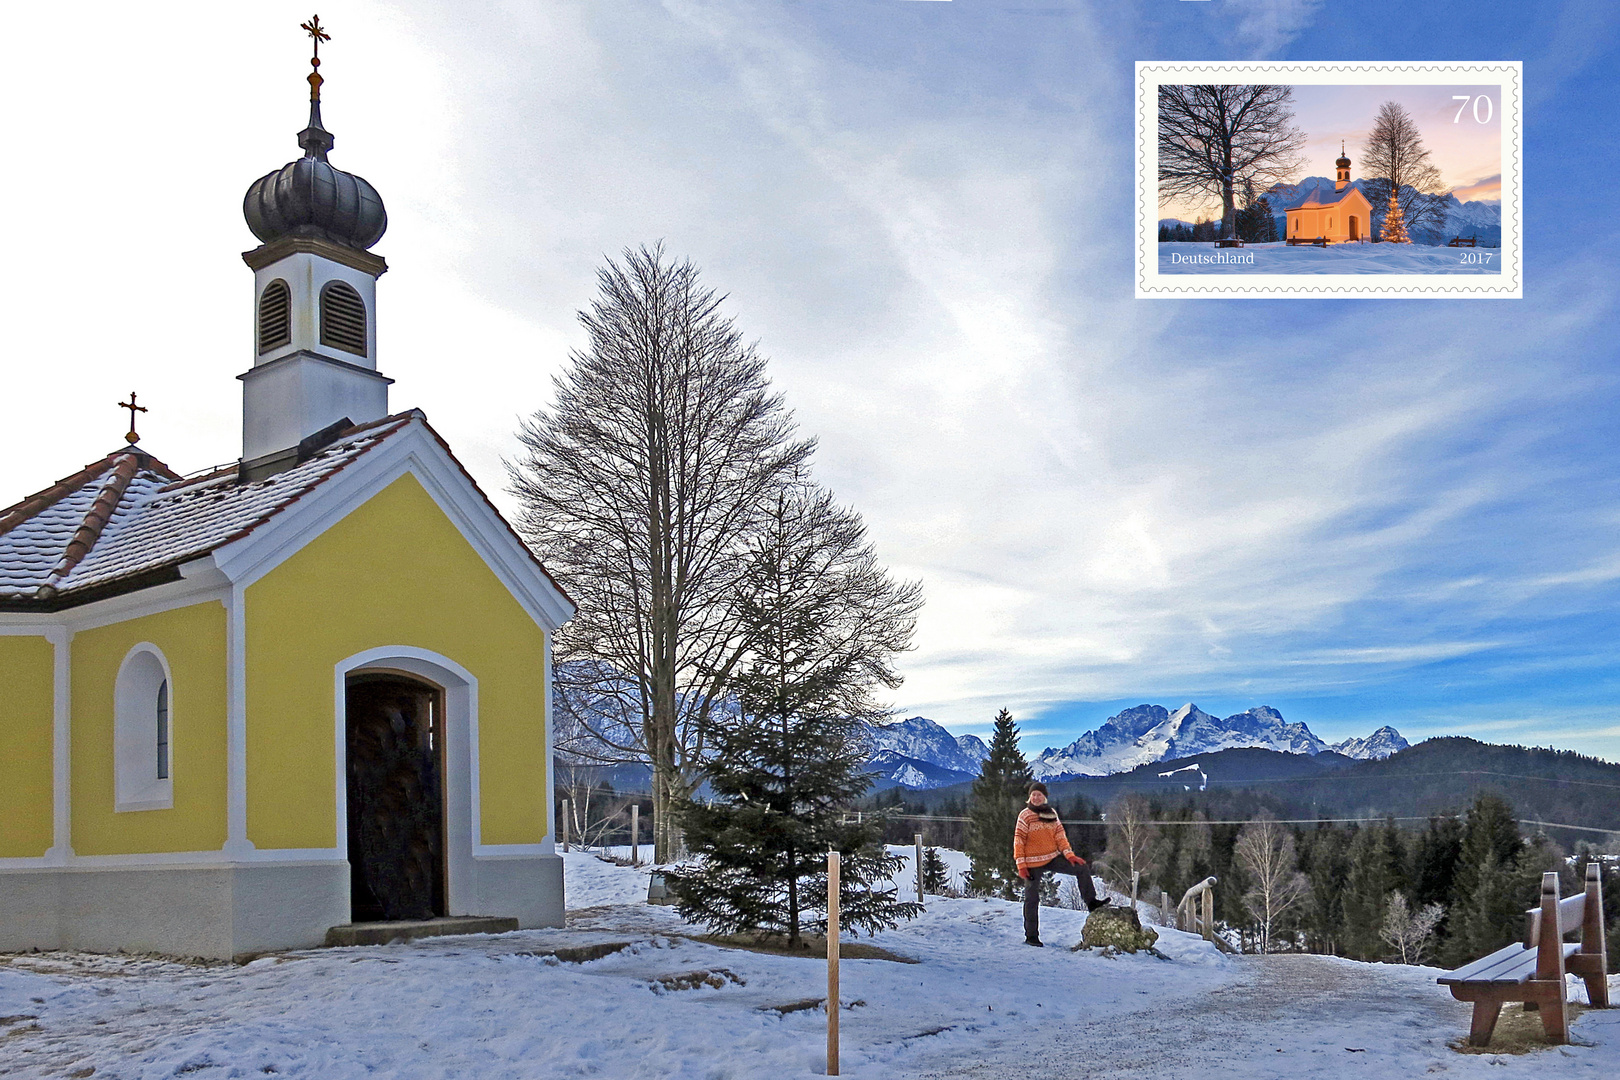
x: 1344, y: 170
x: 314, y: 298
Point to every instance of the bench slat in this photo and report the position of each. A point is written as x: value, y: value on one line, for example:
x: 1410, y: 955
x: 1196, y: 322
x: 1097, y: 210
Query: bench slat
x: 1508, y: 965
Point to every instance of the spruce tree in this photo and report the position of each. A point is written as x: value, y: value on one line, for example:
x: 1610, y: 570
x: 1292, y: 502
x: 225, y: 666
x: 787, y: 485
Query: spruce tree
x: 998, y: 795
x: 1487, y: 893
x: 822, y: 622
x: 935, y: 876
x: 1395, y: 222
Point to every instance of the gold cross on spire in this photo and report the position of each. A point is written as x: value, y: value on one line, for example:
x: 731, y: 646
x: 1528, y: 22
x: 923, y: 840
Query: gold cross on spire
x: 317, y: 34
x: 131, y: 437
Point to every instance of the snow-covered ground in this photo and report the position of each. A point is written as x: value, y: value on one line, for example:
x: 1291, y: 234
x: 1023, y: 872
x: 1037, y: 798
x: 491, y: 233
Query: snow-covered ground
x: 535, y: 1004
x: 1335, y: 259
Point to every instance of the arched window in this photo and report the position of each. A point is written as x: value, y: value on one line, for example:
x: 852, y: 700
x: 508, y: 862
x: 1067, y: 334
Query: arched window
x: 142, y: 742
x: 343, y: 318
x: 275, y: 316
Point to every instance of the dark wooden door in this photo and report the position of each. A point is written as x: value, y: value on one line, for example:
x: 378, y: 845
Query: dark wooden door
x: 396, y: 800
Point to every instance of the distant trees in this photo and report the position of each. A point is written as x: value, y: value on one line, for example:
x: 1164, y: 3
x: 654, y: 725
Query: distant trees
x: 1265, y: 851
x: 1255, y: 222
x: 1407, y: 932
x: 1133, y: 841
x: 1216, y: 139
x: 1398, y: 167
x: 999, y: 794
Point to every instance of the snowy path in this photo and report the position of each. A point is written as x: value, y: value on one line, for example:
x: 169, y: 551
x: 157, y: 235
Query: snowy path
x: 1287, y: 1017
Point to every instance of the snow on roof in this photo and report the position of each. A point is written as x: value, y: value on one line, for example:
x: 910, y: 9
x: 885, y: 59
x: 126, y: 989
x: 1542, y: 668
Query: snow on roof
x: 1323, y: 196
x: 118, y: 521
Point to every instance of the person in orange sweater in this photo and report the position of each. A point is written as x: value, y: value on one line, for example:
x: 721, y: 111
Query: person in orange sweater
x: 1041, y: 846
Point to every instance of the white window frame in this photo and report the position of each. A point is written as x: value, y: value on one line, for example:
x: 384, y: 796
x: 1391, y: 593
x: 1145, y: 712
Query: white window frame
x: 136, y: 784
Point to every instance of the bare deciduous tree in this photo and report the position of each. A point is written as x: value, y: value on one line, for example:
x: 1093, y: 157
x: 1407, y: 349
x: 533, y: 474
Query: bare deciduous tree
x: 1215, y: 140
x: 1265, y: 851
x: 1133, y: 842
x: 1395, y: 160
x: 639, y: 487
x: 1410, y: 933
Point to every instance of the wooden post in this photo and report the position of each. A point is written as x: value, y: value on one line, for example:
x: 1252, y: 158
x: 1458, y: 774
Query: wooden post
x: 1550, y: 965
x: 832, y: 963
x: 918, y: 838
x: 1209, y: 914
x: 1594, y: 945
x: 1164, y: 904
x: 565, y: 818
x: 635, y: 834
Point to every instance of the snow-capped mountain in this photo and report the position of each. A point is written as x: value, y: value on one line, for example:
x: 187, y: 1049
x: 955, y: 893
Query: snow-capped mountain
x: 920, y: 739
x: 1148, y: 733
x: 1380, y: 744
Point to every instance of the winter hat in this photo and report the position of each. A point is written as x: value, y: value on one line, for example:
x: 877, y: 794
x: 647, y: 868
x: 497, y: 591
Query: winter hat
x: 1040, y: 787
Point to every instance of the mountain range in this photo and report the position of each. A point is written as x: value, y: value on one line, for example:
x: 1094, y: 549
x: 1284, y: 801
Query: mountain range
x: 1475, y: 218
x: 918, y: 753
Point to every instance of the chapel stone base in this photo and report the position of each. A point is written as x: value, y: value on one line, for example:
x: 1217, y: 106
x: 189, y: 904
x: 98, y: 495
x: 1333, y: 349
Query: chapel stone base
x: 231, y: 911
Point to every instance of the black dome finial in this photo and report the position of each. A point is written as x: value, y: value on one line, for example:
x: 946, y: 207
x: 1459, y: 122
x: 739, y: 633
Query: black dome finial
x: 309, y: 196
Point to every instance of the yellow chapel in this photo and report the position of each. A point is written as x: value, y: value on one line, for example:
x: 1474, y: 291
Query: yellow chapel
x: 309, y: 691
x: 1339, y: 217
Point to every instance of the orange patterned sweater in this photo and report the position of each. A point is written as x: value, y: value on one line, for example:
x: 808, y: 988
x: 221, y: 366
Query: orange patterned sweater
x: 1036, y: 842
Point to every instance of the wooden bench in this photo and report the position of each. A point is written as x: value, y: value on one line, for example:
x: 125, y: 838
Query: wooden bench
x: 1463, y: 241
x: 1229, y: 241
x: 1320, y: 241
x: 1533, y: 972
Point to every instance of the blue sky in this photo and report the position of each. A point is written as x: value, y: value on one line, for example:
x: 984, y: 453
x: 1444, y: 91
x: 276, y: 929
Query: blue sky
x: 1358, y: 512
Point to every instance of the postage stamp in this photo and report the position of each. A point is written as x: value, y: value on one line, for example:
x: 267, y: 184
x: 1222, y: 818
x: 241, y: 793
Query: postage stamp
x: 1315, y: 180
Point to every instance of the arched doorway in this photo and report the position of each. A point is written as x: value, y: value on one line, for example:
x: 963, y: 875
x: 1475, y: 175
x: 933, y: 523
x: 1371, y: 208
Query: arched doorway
x: 395, y: 773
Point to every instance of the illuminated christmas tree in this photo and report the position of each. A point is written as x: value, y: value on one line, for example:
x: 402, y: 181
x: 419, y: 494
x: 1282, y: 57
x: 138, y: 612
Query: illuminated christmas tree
x: 1395, y: 223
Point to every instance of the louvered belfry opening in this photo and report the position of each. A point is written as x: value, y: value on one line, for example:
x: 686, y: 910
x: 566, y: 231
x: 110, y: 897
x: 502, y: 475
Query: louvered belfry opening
x: 343, y: 318
x: 275, y: 316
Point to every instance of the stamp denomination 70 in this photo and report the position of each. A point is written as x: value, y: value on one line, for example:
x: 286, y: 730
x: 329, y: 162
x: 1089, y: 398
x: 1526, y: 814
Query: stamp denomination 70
x: 1328, y: 179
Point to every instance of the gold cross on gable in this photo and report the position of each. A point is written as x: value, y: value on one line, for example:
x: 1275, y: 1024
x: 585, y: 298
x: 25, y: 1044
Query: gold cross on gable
x: 130, y: 436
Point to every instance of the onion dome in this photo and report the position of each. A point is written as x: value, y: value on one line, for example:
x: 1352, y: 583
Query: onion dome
x: 311, y: 197
x: 1343, y: 162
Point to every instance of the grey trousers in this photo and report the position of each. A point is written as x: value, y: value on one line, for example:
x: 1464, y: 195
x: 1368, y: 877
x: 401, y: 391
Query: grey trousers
x: 1032, y: 890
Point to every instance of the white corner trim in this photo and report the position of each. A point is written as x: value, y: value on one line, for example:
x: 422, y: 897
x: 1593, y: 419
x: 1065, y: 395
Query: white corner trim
x: 410, y: 450
x: 237, y: 844
x: 548, y: 840
x: 61, y: 849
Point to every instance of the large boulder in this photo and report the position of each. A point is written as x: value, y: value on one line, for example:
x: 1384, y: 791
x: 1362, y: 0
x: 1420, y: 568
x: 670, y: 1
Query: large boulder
x: 1116, y: 928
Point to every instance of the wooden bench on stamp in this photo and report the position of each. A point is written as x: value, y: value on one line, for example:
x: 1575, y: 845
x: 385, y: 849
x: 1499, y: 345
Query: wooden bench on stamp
x: 1534, y: 971
x: 1463, y: 241
x: 1320, y: 241
x: 1228, y: 241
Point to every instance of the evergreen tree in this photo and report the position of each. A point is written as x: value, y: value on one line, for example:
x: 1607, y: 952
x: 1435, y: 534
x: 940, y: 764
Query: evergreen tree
x: 1395, y: 223
x: 1377, y: 869
x: 823, y: 623
x: 998, y: 795
x: 1488, y: 899
x: 935, y: 876
x: 1326, y: 863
